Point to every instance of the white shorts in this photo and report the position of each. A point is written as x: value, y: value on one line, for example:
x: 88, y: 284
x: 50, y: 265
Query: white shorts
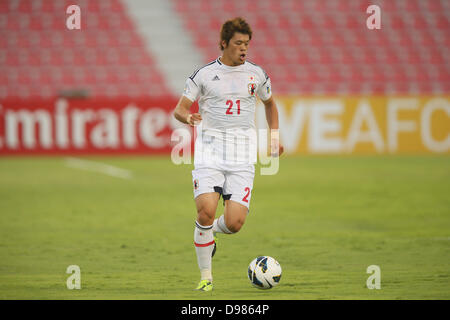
x: 234, y: 184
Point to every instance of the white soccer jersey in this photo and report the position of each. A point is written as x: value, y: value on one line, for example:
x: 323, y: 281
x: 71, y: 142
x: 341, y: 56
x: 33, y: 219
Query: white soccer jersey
x: 227, y: 102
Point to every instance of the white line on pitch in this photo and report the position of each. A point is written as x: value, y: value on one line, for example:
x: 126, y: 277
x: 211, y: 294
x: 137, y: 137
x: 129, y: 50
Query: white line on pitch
x: 98, y: 167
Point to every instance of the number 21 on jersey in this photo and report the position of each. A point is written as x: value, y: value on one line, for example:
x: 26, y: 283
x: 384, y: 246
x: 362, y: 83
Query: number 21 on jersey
x: 229, y: 103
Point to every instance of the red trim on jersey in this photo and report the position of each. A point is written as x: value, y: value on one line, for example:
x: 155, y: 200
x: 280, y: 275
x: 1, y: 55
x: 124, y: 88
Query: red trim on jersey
x: 203, y: 244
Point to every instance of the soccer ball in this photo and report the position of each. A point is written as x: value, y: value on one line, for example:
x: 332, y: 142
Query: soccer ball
x: 264, y: 272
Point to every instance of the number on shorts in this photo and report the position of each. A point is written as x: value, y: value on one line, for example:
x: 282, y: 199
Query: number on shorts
x: 245, y: 199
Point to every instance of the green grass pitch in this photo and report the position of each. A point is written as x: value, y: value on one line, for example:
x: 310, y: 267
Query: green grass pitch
x: 325, y: 219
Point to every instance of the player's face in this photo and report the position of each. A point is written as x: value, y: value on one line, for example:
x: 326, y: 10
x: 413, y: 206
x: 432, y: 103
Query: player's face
x: 236, y: 49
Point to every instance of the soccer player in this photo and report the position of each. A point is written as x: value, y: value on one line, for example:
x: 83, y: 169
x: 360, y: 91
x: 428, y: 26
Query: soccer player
x: 225, y: 145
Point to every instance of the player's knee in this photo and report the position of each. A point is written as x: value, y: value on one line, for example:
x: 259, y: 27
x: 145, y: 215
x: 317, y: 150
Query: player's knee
x: 235, y: 225
x: 205, y: 216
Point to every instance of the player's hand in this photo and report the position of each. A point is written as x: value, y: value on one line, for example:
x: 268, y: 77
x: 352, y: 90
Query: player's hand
x: 276, y: 148
x: 194, y: 119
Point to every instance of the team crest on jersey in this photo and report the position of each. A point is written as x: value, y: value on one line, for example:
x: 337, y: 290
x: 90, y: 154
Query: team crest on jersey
x: 196, y: 184
x: 252, y: 88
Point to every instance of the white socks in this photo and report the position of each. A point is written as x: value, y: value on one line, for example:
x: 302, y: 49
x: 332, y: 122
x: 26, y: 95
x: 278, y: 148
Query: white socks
x: 204, y: 245
x: 220, y: 226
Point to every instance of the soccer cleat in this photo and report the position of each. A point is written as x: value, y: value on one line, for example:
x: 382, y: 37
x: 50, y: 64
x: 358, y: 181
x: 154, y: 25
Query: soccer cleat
x: 215, y: 246
x: 204, y: 285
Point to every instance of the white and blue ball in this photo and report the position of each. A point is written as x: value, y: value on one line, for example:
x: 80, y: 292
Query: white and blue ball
x: 264, y: 272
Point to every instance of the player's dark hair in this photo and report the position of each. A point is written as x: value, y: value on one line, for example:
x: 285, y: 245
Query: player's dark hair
x: 231, y: 26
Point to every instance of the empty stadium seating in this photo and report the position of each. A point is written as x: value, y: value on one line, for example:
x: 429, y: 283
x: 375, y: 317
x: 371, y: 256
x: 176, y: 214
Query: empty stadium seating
x: 324, y: 47
x: 306, y: 46
x: 40, y: 57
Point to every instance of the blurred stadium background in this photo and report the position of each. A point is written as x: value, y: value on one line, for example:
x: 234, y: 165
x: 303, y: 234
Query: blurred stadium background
x: 110, y: 88
x: 144, y: 50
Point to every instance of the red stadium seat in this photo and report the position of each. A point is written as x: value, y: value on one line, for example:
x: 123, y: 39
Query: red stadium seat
x: 294, y: 41
x: 33, y: 37
x: 333, y: 32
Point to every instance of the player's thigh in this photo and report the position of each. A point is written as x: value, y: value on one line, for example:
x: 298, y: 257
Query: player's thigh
x: 237, y: 194
x: 235, y: 214
x: 206, y: 204
x: 238, y: 187
x: 206, y: 182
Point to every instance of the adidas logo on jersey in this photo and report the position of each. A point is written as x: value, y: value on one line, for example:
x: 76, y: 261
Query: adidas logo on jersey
x: 216, y: 78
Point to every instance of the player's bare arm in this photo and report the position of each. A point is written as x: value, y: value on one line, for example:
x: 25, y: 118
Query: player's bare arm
x: 182, y: 112
x: 272, y: 120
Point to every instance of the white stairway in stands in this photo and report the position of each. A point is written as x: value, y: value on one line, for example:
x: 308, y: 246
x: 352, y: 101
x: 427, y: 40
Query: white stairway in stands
x: 161, y: 28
